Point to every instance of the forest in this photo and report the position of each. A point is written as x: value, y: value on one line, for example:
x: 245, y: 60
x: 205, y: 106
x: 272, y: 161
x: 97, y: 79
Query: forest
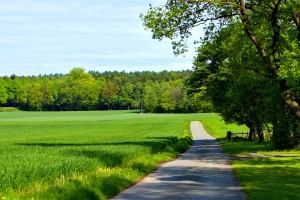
x: 154, y: 92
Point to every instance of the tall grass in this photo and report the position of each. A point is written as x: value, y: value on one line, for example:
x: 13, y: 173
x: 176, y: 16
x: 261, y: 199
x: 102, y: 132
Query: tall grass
x: 55, y: 155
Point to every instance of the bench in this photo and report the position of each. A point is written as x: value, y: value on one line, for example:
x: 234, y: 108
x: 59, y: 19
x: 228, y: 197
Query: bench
x: 231, y: 135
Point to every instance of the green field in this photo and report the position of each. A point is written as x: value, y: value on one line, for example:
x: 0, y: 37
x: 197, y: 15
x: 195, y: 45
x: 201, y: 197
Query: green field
x: 95, y: 155
x: 53, y: 154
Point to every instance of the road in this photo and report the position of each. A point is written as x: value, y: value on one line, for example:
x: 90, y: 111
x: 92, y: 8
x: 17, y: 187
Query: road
x: 203, y: 172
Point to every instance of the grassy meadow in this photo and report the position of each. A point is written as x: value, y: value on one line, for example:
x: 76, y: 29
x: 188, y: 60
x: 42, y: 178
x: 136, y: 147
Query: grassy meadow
x: 85, y: 155
x: 95, y: 155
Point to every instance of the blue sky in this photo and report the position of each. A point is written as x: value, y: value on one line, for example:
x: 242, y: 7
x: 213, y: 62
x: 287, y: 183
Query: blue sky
x: 54, y: 36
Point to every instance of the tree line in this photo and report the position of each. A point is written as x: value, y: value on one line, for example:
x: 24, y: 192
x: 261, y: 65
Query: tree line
x: 159, y: 92
x: 247, y: 62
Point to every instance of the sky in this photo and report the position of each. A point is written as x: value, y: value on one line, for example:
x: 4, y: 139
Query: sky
x: 55, y: 36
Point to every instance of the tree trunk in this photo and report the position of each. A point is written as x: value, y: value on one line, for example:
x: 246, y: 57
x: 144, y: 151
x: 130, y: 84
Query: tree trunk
x: 289, y: 99
x: 260, y: 134
x: 251, y: 136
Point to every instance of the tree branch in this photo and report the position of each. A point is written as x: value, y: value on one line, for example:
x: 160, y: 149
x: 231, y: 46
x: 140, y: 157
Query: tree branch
x: 259, y: 46
x: 258, y: 72
x: 296, y: 19
x: 276, y: 31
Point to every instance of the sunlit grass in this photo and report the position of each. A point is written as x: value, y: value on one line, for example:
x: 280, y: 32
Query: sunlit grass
x: 269, y: 178
x: 98, y: 153
x: 95, y: 155
x: 263, y: 178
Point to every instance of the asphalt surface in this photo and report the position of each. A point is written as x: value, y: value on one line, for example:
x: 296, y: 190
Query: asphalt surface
x: 203, y: 172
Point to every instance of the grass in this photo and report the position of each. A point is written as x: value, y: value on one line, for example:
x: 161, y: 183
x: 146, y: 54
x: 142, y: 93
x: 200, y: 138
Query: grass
x: 94, y: 155
x: 269, y: 178
x: 9, y: 109
x: 55, y: 155
x: 263, y: 178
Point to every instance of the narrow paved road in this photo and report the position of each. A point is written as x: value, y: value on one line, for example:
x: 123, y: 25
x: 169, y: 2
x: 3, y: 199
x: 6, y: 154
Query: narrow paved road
x: 203, y: 172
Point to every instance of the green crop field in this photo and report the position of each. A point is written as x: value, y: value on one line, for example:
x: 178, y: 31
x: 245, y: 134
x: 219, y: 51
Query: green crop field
x: 95, y: 155
x: 55, y: 155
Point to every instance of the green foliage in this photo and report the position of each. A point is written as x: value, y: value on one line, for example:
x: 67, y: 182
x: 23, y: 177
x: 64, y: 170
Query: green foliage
x: 286, y: 131
x: 150, y: 98
x: 246, y: 68
x: 53, y: 154
x: 35, y: 97
x: 225, y: 75
x: 3, y: 94
x: 78, y: 74
x: 147, y: 91
x: 241, y: 91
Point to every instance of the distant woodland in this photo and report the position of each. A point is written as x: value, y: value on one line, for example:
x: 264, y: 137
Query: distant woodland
x: 155, y: 92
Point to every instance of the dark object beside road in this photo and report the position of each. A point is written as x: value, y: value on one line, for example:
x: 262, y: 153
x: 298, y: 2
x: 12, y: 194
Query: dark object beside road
x: 230, y: 135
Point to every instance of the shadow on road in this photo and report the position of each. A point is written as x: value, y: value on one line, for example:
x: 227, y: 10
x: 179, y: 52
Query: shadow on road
x: 203, y: 172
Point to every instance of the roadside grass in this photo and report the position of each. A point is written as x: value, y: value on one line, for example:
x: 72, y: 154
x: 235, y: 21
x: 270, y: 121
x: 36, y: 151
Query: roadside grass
x: 269, y: 178
x: 275, y: 177
x: 85, y: 155
x: 9, y: 109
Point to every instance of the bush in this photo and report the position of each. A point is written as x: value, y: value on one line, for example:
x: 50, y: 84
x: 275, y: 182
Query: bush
x: 286, y: 132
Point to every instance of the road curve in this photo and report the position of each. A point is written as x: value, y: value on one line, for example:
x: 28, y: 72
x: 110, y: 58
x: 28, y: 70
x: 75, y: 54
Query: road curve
x: 203, y: 172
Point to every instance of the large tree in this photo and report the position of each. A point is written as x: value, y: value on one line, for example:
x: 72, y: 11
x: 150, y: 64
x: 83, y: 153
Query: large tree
x: 231, y: 80
x: 272, y: 26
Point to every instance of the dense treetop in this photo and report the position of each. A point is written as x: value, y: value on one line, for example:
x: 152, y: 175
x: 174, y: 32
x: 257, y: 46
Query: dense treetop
x: 79, y: 90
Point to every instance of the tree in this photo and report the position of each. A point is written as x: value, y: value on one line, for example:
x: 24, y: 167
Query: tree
x: 22, y: 93
x: 35, y: 97
x: 94, y: 90
x: 3, y: 94
x: 178, y: 97
x: 49, y: 94
x: 199, y: 102
x: 126, y: 95
x: 65, y: 98
x: 12, y: 87
x: 138, y: 91
x: 79, y: 74
x: 108, y: 94
x: 240, y: 89
x: 150, y: 98
x: 272, y: 27
x: 86, y: 94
